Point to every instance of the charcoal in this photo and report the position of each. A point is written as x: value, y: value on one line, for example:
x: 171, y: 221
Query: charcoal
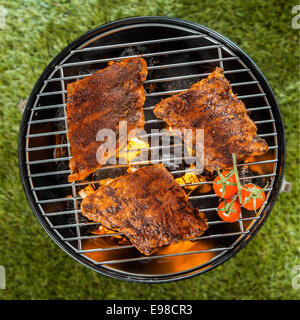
x: 59, y: 125
x: 134, y: 51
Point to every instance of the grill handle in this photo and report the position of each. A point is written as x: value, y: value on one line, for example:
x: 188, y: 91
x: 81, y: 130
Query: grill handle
x: 22, y: 104
x: 286, y: 186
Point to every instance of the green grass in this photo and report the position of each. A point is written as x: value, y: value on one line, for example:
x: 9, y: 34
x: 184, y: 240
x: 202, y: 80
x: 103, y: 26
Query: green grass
x: 36, y: 268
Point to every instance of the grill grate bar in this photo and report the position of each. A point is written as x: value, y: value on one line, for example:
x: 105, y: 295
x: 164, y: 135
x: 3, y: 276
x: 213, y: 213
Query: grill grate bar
x: 45, y: 134
x: 224, y: 222
x: 48, y: 160
x: 245, y: 83
x: 49, y: 173
x: 47, y: 120
x: 264, y: 135
x: 259, y: 108
x: 52, y: 106
x: 58, y: 213
x: 75, y: 77
x: 59, y: 200
x: 56, y: 186
x: 94, y: 236
x: 221, y: 64
x: 273, y: 147
x: 71, y: 225
x: 255, y: 95
x: 190, y: 63
x: 264, y: 121
x: 154, y: 94
x: 145, y: 55
x: 51, y: 93
x: 139, y: 43
x: 257, y: 162
x: 53, y: 146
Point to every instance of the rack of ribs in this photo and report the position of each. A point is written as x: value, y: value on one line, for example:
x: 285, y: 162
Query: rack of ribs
x: 212, y: 106
x: 148, y: 207
x: 102, y: 101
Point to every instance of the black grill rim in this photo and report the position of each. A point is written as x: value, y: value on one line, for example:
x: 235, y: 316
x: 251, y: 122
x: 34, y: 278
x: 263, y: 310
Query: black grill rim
x: 278, y: 121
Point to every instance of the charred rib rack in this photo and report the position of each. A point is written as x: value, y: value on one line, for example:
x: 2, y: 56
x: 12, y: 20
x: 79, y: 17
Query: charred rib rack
x: 148, y: 206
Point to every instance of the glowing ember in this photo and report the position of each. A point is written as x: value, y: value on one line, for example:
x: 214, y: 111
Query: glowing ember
x: 86, y: 191
x: 191, y: 178
x: 104, y: 230
x: 101, y: 230
x: 262, y: 168
x: 105, y: 182
x: 133, y: 149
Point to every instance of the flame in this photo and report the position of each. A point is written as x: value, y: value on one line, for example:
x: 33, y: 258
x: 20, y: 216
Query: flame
x: 101, y: 230
x: 191, y: 177
x: 61, y: 151
x: 262, y: 168
x: 86, y: 191
x: 160, y: 266
x: 133, y: 149
x: 105, y: 182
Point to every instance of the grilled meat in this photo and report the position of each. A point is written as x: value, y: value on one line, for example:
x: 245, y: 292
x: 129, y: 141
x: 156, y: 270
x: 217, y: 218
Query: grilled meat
x: 147, y: 206
x: 101, y: 101
x: 211, y: 105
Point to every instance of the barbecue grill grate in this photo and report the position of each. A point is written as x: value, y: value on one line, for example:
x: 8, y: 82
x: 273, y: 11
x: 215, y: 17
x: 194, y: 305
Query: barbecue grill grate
x: 177, y: 56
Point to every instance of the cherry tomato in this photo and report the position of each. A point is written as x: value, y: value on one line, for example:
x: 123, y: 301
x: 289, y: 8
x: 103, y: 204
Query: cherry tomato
x: 253, y: 197
x: 229, y: 210
x: 224, y: 185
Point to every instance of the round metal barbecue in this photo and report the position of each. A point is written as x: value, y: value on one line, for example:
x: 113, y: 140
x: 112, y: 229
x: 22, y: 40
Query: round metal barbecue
x: 178, y: 53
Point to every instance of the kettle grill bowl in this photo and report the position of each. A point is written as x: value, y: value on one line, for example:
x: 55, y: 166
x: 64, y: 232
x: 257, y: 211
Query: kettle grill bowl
x: 43, y: 169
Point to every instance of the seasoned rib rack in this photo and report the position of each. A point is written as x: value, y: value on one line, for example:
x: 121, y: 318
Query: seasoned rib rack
x: 102, y: 101
x: 212, y: 106
x: 178, y: 54
x: 148, y: 206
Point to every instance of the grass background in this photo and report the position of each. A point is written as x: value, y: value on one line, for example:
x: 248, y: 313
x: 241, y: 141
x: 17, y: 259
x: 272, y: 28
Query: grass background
x: 38, y: 30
